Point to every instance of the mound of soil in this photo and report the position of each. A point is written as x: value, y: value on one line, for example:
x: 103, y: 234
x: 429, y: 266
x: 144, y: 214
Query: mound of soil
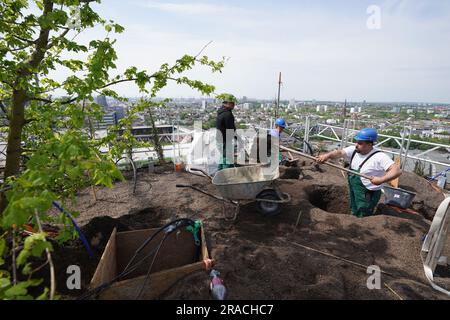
x: 427, y: 198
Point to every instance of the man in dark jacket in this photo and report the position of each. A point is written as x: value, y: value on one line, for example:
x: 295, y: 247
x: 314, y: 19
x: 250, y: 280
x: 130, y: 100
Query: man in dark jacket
x: 224, y: 122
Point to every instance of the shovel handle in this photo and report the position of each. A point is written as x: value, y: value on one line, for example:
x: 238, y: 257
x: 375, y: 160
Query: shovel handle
x: 327, y: 163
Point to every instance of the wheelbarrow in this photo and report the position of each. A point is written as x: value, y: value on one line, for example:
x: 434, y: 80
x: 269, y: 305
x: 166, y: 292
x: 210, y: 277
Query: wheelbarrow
x: 243, y: 185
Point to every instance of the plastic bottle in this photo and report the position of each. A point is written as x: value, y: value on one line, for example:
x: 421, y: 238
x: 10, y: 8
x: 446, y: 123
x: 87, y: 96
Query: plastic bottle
x: 216, y: 287
x: 442, y: 181
x: 179, y: 167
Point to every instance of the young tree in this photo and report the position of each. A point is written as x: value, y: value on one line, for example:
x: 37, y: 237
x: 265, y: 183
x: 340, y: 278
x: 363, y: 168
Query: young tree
x: 156, y: 140
x: 37, y: 37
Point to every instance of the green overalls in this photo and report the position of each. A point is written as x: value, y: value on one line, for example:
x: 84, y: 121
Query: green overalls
x: 225, y: 163
x: 362, y: 200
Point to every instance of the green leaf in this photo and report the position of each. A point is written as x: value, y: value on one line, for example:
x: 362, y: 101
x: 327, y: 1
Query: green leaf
x: 4, y: 282
x: 72, y: 151
x: 44, y: 295
x: 27, y: 269
x: 34, y: 246
x: 4, y: 274
x: 39, y: 248
x: 24, y: 297
x: 118, y: 28
x: 19, y: 289
x: 2, y: 250
x: 34, y: 282
x: 13, y: 214
x: 65, y: 235
x: 39, y: 4
x: 22, y: 257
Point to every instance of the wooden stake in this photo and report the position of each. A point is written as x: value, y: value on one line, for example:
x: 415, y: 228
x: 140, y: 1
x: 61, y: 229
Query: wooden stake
x: 392, y: 290
x: 394, y: 183
x: 94, y: 193
x: 298, y: 218
x: 14, y: 266
x: 335, y: 257
x: 291, y: 157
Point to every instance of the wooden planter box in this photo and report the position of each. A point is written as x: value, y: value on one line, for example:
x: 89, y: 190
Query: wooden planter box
x: 177, y: 257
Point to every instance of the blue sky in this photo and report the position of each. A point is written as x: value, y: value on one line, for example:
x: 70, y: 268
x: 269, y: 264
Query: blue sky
x: 323, y: 48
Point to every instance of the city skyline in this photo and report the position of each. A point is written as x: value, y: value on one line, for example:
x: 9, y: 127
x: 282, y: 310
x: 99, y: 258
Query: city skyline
x: 288, y: 100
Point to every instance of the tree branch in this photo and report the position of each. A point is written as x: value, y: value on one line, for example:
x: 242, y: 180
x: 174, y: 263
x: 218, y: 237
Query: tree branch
x: 8, y: 83
x: 204, y: 47
x: 40, y: 99
x: 116, y: 82
x: 39, y: 268
x: 20, y: 23
x: 51, y: 101
x: 20, y: 48
x: 169, y: 71
x: 41, y: 44
x: 30, y: 42
x: 62, y: 35
x: 3, y: 107
x: 27, y: 121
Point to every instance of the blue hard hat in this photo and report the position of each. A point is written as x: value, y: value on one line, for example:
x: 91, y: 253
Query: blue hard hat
x: 281, y: 123
x: 367, y: 134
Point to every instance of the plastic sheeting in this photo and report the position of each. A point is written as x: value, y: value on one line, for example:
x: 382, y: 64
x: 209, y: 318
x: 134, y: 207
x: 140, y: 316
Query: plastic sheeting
x: 434, y: 243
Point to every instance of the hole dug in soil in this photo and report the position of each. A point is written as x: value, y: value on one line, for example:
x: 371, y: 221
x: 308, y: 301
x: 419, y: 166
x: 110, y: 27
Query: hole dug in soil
x: 332, y: 199
x: 290, y: 173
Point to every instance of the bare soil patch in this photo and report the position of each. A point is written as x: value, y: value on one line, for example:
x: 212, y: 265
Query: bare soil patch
x: 260, y: 257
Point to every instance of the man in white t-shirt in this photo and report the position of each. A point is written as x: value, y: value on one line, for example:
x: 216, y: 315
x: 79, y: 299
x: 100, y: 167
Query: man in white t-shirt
x: 364, y: 158
x: 280, y: 125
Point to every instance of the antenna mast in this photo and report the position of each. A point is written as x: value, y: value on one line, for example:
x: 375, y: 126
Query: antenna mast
x: 278, y: 100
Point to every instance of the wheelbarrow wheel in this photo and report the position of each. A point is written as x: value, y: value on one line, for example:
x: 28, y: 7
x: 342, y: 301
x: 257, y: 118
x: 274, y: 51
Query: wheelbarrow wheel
x: 269, y: 209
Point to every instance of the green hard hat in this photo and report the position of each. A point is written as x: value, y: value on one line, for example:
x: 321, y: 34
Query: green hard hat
x: 226, y: 97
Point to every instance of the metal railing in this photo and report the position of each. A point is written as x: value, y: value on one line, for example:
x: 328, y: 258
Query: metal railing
x: 342, y: 135
x: 345, y: 134
x: 174, y: 144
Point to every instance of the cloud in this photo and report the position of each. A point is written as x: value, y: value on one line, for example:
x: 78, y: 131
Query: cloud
x: 417, y: 10
x: 189, y: 8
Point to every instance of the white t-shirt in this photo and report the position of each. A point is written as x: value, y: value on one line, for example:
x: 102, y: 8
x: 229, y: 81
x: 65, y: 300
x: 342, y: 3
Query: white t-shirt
x: 376, y: 166
x: 275, y: 133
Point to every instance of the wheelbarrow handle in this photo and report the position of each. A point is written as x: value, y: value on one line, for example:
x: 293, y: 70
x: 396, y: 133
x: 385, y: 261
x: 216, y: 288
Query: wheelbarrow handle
x: 202, y: 171
x: 206, y: 193
x: 183, y: 186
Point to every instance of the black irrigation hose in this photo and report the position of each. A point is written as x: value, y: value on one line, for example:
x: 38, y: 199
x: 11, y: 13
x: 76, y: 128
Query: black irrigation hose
x: 129, y: 269
x: 310, y: 148
x: 147, y: 276
x: 124, y: 273
x: 134, y: 172
x: 189, y: 222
